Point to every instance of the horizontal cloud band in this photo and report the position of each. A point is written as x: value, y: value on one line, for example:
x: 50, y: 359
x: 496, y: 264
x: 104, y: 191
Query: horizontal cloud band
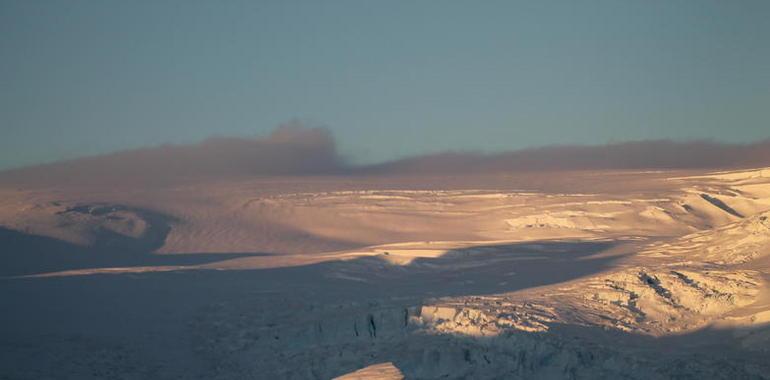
x: 292, y: 150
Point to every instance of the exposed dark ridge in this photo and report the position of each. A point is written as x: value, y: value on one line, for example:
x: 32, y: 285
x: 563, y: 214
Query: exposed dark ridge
x: 722, y: 205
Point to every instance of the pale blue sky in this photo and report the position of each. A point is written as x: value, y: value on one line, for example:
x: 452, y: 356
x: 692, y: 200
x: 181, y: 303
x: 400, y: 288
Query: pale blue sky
x: 389, y: 78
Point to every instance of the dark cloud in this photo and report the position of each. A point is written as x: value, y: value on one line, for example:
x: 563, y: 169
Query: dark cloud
x: 293, y: 150
x: 630, y: 155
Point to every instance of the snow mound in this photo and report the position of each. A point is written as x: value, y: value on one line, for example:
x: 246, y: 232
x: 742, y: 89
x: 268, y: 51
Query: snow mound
x: 382, y: 371
x: 735, y: 243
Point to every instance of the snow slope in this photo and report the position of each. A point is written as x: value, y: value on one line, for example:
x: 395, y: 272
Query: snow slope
x: 586, y: 275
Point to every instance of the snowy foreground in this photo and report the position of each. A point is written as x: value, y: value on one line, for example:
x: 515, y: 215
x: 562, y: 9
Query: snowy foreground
x: 640, y: 275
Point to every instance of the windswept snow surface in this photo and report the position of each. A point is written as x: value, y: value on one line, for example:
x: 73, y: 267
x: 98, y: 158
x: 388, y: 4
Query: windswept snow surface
x: 613, y: 274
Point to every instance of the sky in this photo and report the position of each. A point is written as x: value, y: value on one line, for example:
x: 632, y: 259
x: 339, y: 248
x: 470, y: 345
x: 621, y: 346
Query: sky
x: 389, y: 79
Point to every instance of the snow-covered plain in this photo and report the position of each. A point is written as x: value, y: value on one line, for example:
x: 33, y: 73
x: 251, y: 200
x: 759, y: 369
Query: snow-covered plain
x: 603, y: 274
